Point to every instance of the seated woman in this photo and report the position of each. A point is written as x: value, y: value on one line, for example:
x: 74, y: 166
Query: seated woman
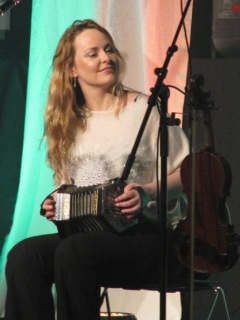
x: 91, y: 123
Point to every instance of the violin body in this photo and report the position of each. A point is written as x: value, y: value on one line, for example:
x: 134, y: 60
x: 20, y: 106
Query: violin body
x: 214, y: 238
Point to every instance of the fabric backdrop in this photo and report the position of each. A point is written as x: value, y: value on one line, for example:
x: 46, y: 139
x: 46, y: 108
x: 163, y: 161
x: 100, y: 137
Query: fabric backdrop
x: 143, y: 30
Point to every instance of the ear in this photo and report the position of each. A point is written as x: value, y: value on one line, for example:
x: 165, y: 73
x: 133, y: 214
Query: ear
x: 72, y: 72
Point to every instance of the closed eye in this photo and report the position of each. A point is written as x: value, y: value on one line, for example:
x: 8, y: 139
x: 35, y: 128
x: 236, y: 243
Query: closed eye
x: 109, y: 49
x: 95, y: 51
x: 92, y: 54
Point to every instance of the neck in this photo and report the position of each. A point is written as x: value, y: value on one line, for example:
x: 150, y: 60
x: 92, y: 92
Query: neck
x: 100, y: 101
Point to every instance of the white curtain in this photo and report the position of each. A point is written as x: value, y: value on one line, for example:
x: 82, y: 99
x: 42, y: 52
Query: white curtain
x: 143, y: 30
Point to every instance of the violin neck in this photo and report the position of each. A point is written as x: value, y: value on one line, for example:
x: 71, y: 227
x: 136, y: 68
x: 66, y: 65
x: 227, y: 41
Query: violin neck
x: 209, y: 143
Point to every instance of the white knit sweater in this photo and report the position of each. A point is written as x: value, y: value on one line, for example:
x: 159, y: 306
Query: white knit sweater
x: 100, y: 152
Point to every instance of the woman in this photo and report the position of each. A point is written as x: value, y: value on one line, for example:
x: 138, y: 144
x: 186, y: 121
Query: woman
x: 91, y: 123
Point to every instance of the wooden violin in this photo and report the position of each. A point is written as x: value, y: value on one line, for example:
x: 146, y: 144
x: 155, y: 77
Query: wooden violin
x: 215, y: 242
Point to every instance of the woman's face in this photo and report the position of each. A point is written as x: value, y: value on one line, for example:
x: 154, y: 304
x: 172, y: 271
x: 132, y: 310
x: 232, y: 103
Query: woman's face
x: 95, y: 61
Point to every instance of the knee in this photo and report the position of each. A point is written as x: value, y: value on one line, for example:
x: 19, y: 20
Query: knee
x: 24, y: 257
x: 65, y: 253
x: 18, y: 254
x: 73, y: 250
x: 17, y: 261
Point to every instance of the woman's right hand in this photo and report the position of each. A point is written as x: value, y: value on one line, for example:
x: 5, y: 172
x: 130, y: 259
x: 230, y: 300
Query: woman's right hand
x: 49, y: 206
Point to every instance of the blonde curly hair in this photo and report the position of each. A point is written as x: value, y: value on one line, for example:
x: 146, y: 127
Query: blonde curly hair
x: 65, y: 111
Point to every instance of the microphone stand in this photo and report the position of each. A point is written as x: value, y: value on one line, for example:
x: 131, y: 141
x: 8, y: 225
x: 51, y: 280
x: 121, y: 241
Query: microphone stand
x: 159, y: 92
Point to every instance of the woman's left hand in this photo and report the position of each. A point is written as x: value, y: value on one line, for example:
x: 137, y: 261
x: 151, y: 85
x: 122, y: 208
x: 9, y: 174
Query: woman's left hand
x: 130, y: 201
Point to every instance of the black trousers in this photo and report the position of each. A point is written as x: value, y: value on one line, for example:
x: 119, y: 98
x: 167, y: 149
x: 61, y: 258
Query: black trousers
x: 79, y: 265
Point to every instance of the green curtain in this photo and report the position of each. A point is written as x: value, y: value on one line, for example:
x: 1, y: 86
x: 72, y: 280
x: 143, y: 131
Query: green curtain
x: 49, y: 20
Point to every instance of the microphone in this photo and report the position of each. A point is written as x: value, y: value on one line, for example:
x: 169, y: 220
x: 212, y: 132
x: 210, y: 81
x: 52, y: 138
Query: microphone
x: 8, y: 5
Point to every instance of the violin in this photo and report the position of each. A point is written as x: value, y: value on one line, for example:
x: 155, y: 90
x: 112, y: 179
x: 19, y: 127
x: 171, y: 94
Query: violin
x: 215, y: 242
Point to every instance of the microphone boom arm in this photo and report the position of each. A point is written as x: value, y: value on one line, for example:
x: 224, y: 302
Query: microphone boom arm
x: 8, y: 5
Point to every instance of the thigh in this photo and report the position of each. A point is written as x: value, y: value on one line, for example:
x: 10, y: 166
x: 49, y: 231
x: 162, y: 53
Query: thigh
x: 120, y: 260
x: 117, y: 257
x: 134, y: 260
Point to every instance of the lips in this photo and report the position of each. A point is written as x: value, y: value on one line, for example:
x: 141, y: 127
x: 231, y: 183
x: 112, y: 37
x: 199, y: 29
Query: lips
x: 107, y: 69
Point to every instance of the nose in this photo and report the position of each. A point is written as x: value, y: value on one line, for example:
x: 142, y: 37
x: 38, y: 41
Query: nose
x: 105, y: 56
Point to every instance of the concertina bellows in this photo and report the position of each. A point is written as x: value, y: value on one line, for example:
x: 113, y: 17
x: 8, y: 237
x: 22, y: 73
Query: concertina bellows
x: 87, y: 209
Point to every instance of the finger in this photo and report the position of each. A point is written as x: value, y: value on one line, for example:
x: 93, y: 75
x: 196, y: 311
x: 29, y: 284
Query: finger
x: 50, y: 215
x: 127, y: 196
x: 130, y: 211
x: 49, y: 202
x: 49, y: 205
x: 130, y: 203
